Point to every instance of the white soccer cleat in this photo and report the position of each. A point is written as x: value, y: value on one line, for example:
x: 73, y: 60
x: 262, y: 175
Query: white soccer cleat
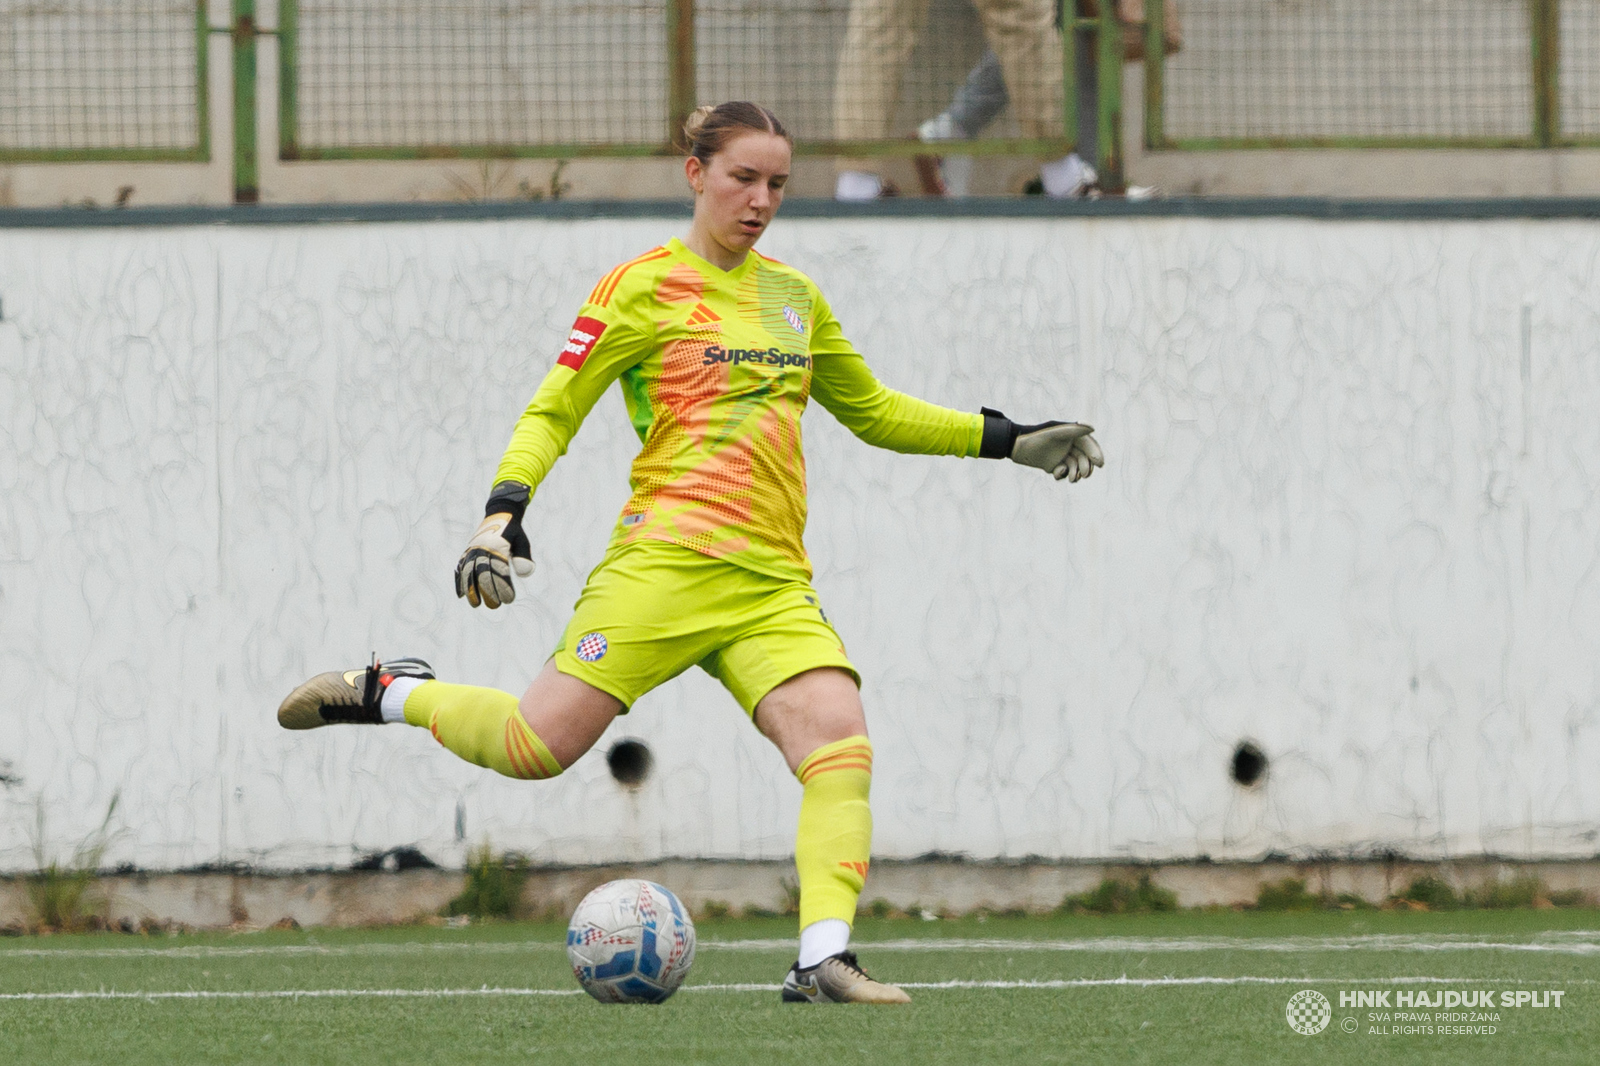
x: 838, y: 979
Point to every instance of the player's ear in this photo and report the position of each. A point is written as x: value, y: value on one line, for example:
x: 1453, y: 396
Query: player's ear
x: 694, y: 172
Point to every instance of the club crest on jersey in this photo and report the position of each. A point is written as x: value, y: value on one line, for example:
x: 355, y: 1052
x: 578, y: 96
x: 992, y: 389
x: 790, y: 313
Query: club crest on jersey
x: 591, y: 647
x: 791, y: 316
x: 580, y: 342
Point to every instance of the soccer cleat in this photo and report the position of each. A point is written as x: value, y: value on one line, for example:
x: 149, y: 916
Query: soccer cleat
x: 354, y: 696
x: 837, y: 979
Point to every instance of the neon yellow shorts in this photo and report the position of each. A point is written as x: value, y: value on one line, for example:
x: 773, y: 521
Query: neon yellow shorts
x: 651, y: 610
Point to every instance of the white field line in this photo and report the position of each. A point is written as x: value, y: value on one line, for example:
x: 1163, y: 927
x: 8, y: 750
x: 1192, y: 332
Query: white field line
x: 1577, y: 942
x: 1568, y: 945
x: 443, y: 993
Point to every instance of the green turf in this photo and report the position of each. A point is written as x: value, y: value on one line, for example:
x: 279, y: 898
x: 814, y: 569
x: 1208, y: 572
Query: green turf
x: 1190, y: 1023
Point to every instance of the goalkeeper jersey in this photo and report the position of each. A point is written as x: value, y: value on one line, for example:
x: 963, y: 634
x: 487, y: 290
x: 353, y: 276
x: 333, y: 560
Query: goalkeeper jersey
x: 716, y: 367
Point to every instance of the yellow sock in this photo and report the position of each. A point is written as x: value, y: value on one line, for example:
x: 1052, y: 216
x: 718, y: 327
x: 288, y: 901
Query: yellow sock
x: 483, y: 726
x: 834, y: 842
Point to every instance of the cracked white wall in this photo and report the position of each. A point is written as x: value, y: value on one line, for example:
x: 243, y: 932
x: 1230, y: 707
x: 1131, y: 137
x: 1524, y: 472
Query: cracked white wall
x: 1349, y: 512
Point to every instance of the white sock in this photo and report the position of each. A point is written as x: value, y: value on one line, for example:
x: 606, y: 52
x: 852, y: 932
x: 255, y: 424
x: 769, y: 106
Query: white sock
x: 857, y: 185
x: 394, y: 698
x: 821, y: 939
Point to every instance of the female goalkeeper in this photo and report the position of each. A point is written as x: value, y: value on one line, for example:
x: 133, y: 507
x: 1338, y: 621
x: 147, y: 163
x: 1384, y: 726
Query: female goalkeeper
x: 717, y: 349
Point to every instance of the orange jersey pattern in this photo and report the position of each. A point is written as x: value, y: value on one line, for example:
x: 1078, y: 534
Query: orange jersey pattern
x: 716, y: 368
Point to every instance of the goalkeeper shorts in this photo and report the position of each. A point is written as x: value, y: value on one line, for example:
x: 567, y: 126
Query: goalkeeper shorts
x: 651, y: 610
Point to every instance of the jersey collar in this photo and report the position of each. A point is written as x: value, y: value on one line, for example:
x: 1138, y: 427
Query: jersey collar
x: 695, y: 259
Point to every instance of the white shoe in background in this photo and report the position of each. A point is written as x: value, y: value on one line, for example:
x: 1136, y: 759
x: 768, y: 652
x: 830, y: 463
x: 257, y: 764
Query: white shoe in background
x: 1067, y: 178
x: 858, y: 185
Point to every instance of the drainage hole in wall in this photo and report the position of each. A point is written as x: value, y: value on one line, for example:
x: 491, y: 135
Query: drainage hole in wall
x: 630, y: 762
x: 1249, y: 765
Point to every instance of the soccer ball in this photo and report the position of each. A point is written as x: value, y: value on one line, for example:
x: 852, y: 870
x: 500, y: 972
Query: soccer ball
x: 630, y: 942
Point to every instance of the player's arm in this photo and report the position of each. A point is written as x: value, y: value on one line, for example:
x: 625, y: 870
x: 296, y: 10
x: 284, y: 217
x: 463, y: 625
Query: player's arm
x: 846, y: 387
x: 601, y: 345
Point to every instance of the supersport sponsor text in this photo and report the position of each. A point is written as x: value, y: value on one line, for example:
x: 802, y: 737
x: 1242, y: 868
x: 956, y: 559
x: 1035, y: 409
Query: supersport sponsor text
x: 765, y: 356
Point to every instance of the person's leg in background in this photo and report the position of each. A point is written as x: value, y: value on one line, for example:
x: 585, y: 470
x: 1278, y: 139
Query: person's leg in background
x: 878, y: 41
x: 1025, y: 37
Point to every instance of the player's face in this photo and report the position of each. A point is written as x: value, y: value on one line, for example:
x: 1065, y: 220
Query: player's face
x: 739, y: 190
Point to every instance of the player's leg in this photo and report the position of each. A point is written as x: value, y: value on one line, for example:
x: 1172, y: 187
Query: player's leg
x: 879, y: 38
x: 556, y: 721
x: 788, y: 669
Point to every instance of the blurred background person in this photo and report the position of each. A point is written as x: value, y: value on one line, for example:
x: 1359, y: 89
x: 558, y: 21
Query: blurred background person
x: 878, y: 40
x: 982, y: 97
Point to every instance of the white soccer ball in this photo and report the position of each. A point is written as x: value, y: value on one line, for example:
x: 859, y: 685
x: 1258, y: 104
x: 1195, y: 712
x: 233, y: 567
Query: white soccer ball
x: 630, y: 942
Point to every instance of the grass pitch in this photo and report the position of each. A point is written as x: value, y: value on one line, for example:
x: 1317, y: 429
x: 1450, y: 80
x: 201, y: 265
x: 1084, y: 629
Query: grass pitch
x: 1192, y: 988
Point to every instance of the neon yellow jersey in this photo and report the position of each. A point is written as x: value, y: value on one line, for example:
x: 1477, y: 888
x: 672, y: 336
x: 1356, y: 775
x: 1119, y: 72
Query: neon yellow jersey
x: 716, y: 367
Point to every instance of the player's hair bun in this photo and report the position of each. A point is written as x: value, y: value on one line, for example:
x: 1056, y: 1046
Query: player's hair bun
x: 696, y: 120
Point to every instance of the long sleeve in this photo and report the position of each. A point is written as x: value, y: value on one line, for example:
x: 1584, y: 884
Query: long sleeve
x: 599, y: 348
x: 843, y: 384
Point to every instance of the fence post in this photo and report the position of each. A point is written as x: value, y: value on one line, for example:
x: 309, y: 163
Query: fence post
x: 1109, y: 62
x: 288, y: 80
x: 1546, y: 27
x: 1155, y: 73
x: 682, y: 94
x: 246, y: 189
x: 1068, y: 10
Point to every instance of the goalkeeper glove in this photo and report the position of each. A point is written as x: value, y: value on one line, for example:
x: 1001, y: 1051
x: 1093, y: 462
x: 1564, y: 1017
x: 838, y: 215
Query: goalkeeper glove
x: 1065, y: 449
x: 484, y: 573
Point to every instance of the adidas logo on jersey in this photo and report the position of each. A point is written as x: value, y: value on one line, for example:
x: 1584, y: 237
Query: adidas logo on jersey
x: 703, y: 316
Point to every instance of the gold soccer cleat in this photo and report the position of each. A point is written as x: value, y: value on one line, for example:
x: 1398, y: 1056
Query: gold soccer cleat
x: 354, y: 696
x: 838, y: 979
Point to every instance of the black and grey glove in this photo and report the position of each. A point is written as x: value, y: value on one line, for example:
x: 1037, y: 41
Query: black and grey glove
x: 484, y: 573
x: 1064, y: 449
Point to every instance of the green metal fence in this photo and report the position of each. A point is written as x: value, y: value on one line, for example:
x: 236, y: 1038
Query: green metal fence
x: 103, y: 79
x: 1379, y: 73
x: 397, y: 79
x: 392, y: 79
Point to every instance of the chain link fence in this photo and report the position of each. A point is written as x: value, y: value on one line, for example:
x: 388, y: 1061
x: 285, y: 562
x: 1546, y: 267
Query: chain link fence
x: 1580, y: 69
x: 102, y: 79
x: 396, y: 78
x: 126, y: 79
x: 1391, y: 72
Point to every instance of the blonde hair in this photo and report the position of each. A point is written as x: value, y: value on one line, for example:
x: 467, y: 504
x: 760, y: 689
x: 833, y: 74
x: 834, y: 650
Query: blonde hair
x: 709, y: 129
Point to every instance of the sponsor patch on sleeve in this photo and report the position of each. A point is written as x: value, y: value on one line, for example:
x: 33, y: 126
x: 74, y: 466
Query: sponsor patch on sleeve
x: 581, y: 341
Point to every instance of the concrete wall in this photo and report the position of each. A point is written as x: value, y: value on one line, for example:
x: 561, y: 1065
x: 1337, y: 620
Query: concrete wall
x: 1349, y: 514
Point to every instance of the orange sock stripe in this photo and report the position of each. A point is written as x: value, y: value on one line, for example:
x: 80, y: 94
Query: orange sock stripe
x: 853, y: 757
x: 514, y: 753
x: 538, y: 768
x: 531, y: 769
x: 839, y: 762
x: 857, y: 752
